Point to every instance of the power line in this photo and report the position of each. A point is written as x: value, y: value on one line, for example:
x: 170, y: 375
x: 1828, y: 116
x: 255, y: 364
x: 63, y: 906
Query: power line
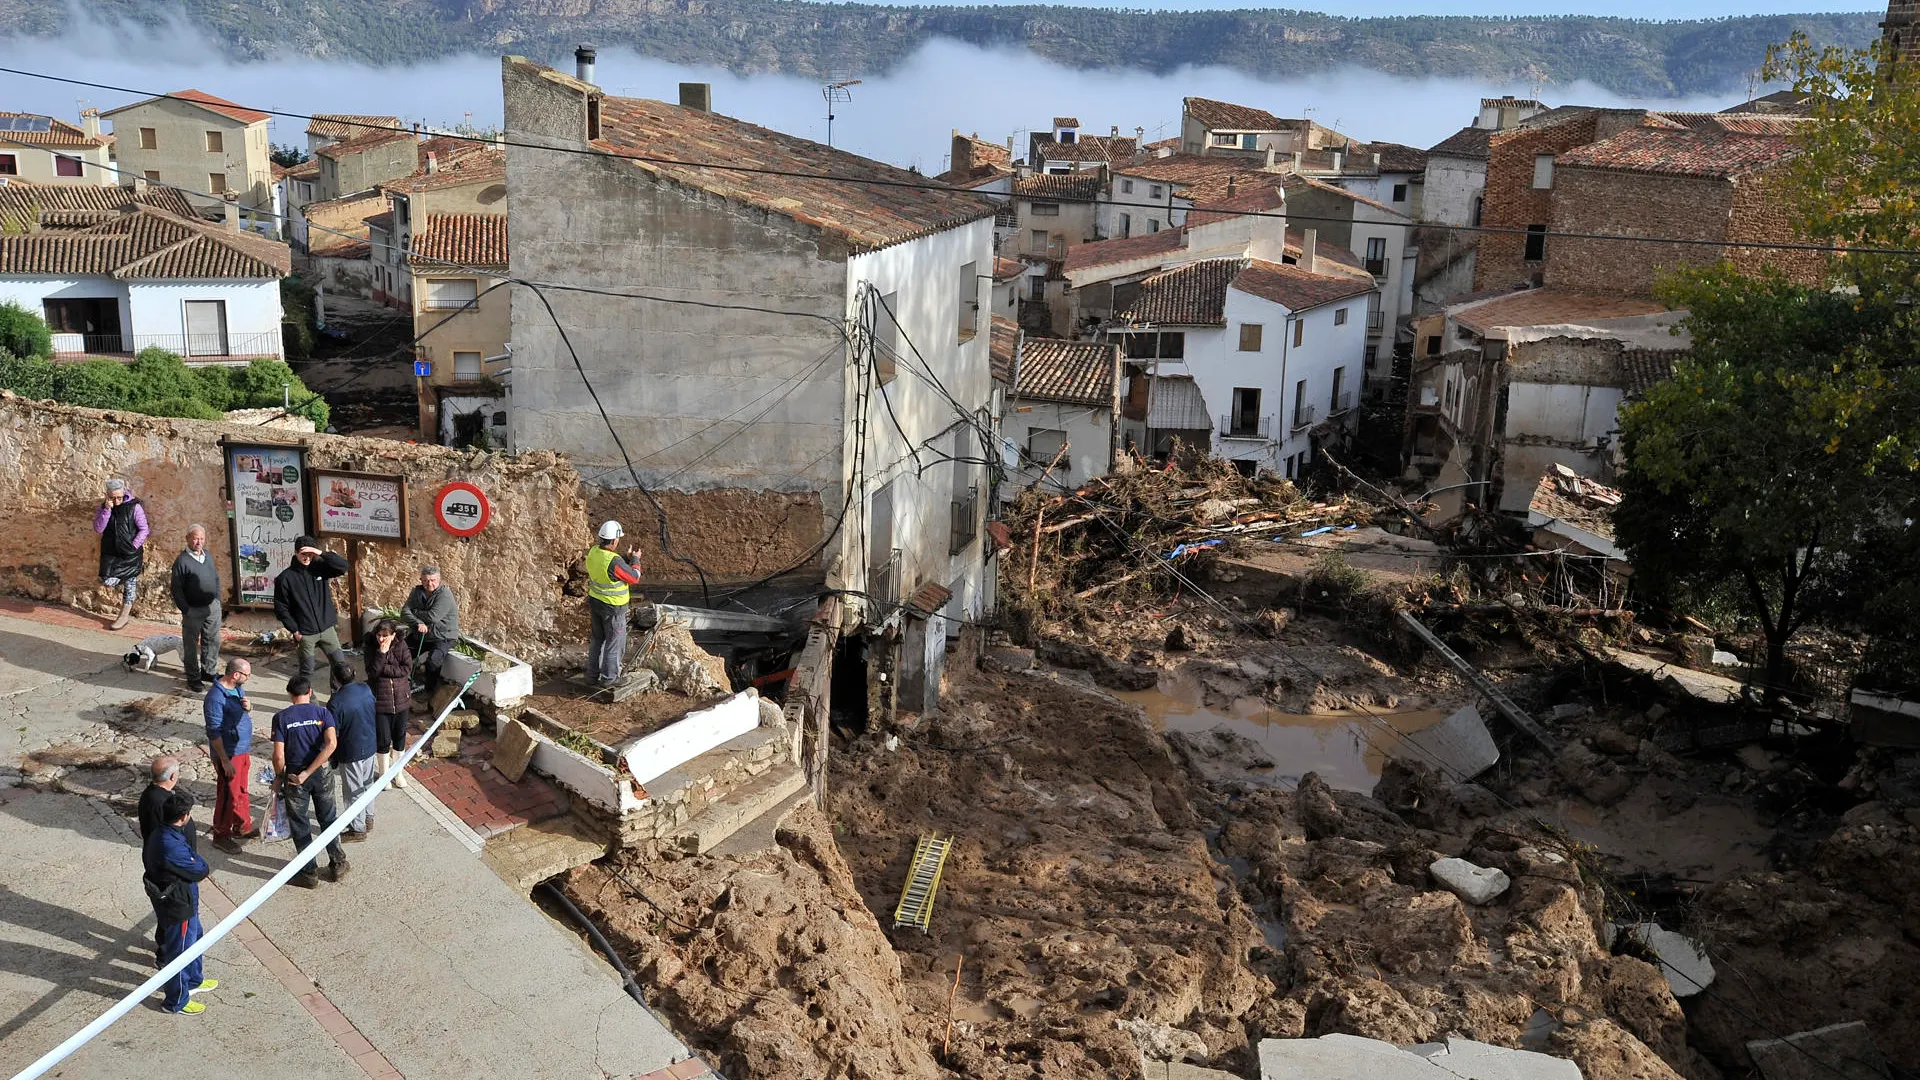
x: 933, y: 185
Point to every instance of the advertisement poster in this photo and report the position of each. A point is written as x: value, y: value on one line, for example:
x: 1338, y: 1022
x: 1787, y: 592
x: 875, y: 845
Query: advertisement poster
x: 363, y: 505
x: 268, y: 488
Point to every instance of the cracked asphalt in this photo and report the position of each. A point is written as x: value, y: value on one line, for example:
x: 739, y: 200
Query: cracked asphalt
x: 437, y: 961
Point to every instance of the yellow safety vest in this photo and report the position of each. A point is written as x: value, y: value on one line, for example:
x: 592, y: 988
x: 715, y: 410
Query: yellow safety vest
x: 601, y: 585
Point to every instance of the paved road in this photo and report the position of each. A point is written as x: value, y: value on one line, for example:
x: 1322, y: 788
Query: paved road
x: 435, y: 962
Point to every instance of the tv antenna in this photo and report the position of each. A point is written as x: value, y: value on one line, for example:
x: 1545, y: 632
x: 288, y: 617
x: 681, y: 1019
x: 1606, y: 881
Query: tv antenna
x: 835, y: 90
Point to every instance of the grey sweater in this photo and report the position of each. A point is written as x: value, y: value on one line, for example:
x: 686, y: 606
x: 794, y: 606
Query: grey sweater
x: 195, y: 582
x: 439, y: 612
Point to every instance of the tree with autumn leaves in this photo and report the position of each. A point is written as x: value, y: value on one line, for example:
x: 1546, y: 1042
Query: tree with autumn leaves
x: 1778, y: 471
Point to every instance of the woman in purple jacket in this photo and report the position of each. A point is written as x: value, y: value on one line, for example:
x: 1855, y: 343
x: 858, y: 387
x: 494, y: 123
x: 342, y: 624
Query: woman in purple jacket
x: 390, y: 673
x: 122, y: 524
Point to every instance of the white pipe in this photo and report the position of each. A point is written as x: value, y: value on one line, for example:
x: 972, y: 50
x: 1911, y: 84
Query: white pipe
x: 247, y: 907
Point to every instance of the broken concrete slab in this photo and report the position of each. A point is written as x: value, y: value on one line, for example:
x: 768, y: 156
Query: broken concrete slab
x: 1474, y: 884
x: 1460, y: 746
x: 1163, y: 1042
x: 539, y: 850
x: 1349, y: 1057
x: 1483, y: 1061
x: 513, y: 750
x: 1843, y: 1051
x: 1682, y: 960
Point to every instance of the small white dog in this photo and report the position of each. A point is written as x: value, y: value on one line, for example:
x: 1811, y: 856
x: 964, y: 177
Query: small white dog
x: 151, y: 649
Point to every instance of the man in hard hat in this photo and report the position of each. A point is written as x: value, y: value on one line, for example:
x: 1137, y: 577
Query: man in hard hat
x: 609, y: 579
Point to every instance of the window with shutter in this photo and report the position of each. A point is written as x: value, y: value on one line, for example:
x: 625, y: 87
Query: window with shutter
x: 447, y: 293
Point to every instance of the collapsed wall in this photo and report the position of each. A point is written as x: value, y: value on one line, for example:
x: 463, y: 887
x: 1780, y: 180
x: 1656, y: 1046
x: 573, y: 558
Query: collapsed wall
x: 57, y: 460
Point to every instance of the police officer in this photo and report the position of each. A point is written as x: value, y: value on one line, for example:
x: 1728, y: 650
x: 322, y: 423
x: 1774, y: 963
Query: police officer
x: 609, y: 578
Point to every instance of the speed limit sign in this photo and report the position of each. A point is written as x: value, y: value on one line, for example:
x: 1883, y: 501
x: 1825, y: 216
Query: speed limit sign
x: 461, y: 508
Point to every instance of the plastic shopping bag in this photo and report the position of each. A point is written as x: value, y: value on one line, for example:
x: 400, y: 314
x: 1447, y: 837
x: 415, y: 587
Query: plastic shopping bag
x: 275, y: 827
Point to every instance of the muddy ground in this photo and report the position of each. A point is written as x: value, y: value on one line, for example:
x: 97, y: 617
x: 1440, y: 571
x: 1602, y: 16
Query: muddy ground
x: 1114, y: 890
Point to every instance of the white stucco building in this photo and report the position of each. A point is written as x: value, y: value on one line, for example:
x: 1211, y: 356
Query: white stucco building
x: 1061, y: 410
x: 45, y: 150
x: 760, y: 339
x: 115, y: 271
x: 1258, y: 361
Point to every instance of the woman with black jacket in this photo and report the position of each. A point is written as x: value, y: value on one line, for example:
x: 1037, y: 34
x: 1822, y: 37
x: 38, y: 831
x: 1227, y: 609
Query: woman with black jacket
x: 390, y: 673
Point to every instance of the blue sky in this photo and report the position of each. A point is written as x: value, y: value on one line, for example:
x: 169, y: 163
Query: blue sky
x: 1634, y: 9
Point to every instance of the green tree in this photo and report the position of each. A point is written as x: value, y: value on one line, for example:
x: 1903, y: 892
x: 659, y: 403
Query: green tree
x: 1774, y: 463
x: 24, y: 333
x: 30, y: 376
x: 288, y: 156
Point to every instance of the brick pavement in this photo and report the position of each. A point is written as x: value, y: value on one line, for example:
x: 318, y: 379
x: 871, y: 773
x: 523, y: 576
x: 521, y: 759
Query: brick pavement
x: 469, y: 786
x: 690, y: 1069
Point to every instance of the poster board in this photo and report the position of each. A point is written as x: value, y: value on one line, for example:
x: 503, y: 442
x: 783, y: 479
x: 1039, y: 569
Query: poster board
x: 267, y: 508
x: 364, y: 506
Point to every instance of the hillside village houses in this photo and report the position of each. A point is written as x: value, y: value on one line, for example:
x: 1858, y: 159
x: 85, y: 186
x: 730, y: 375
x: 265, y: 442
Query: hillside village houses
x: 47, y: 150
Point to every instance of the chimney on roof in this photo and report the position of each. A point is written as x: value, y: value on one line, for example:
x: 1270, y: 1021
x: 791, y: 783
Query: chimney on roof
x: 1310, y: 250
x: 583, y: 63
x: 1272, y: 155
x: 697, y: 95
x: 1376, y: 161
x: 433, y: 163
x: 90, y: 122
x: 1116, y: 132
x: 1339, y: 160
x: 230, y: 203
x: 1230, y: 185
x: 139, y: 186
x: 1299, y: 158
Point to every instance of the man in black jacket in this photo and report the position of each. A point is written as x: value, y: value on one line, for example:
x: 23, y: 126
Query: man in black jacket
x: 196, y: 592
x: 303, y: 601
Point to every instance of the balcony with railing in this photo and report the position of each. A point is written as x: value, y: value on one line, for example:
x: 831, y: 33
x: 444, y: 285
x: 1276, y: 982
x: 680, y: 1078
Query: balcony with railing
x: 1304, y: 416
x: 1342, y: 402
x: 1376, y: 320
x: 1237, y: 426
x: 963, y: 520
x: 206, y: 347
x: 883, y: 581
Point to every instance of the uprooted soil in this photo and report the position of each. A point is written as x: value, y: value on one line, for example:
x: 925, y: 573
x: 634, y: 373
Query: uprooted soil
x: 1113, y: 891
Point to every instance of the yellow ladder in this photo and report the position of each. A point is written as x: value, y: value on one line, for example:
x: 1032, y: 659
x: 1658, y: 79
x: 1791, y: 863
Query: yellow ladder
x: 923, y: 880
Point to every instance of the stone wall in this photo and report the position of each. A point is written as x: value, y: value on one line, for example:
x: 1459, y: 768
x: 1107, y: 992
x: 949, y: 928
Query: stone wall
x: 58, y: 459
x: 736, y: 535
x: 1632, y: 204
x: 1510, y: 200
x: 1761, y: 210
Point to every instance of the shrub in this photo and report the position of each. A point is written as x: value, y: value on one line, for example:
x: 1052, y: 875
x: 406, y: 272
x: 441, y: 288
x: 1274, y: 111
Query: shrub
x: 24, y: 333
x: 190, y: 408
x: 94, y: 384
x: 298, y: 330
x: 30, y: 376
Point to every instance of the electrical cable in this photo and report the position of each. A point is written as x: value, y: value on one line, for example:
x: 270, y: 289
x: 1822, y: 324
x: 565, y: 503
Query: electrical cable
x: 934, y: 185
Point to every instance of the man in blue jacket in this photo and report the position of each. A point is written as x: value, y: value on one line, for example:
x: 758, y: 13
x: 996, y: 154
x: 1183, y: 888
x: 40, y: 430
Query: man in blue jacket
x: 352, y: 709
x: 173, y: 872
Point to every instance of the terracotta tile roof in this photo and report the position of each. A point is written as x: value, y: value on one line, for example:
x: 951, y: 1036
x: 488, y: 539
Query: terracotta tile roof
x: 1267, y: 199
x: 58, y: 133
x: 1110, y: 149
x: 484, y: 166
x: 19, y: 197
x: 1161, y: 146
x: 1201, y: 178
x: 1004, y: 268
x: 869, y: 215
x: 361, y: 143
x: 1081, y: 184
x: 981, y: 176
x: 988, y: 153
x: 1125, y: 249
x: 462, y: 239
x: 1706, y: 154
x: 928, y: 599
x: 1397, y: 157
x: 1075, y: 372
x: 1003, y: 347
x: 1295, y: 289
x: 1741, y: 123
x: 1226, y: 116
x: 1563, y: 495
x: 347, y: 125
x: 1468, y: 142
x: 306, y: 170
x: 139, y: 243
x: 1191, y: 295
x: 1295, y: 183
x: 1778, y: 103
x: 206, y: 101
x: 1550, y: 307
x: 382, y: 221
x: 1642, y: 368
x: 1066, y: 122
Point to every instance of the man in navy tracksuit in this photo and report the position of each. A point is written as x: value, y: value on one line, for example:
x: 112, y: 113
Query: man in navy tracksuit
x: 172, y: 879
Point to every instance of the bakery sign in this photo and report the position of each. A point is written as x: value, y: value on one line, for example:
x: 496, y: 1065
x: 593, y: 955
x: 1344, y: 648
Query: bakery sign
x: 366, y: 506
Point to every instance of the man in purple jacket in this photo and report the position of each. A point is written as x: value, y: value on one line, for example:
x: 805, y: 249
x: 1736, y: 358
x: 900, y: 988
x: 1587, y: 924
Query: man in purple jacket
x: 122, y: 524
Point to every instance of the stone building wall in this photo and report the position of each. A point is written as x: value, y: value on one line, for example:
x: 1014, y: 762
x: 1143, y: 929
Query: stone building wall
x: 1632, y: 204
x: 1510, y: 201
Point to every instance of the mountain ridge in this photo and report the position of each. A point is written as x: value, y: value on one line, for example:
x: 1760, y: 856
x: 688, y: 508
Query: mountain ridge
x: 1635, y: 58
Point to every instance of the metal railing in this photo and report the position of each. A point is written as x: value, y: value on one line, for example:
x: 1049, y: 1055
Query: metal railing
x: 963, y: 523
x: 883, y: 581
x: 1303, y: 416
x: 1234, y: 426
x: 1342, y: 402
x: 191, y: 346
x: 1376, y: 319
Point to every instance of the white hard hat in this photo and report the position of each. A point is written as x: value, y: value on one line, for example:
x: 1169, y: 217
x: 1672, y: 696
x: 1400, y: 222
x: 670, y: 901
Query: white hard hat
x: 611, y: 530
